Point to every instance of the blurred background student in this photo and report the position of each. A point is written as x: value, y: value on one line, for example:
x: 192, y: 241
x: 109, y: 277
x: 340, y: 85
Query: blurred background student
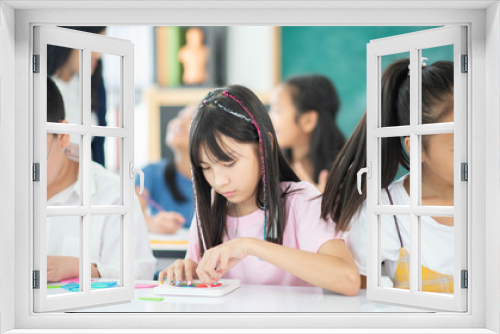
x: 64, y: 189
x: 63, y: 66
x: 167, y: 200
x: 304, y: 110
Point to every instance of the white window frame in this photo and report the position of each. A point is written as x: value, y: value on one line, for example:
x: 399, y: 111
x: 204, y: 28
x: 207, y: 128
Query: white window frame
x: 483, y: 313
x: 413, y: 43
x: 85, y: 43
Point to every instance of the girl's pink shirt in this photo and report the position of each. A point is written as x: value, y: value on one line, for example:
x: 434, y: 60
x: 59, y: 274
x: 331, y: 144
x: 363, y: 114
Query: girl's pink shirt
x: 304, y: 230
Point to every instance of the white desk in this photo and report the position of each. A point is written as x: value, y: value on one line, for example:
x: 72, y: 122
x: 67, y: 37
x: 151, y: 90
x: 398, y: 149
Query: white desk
x: 250, y: 298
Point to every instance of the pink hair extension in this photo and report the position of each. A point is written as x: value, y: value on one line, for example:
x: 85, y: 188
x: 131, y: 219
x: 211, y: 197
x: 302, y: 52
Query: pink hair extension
x: 232, y: 97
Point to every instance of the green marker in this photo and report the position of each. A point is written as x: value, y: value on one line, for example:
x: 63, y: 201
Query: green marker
x: 54, y: 286
x: 152, y: 299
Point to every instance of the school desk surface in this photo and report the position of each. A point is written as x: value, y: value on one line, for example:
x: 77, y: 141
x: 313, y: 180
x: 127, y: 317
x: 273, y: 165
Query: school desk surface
x: 252, y: 298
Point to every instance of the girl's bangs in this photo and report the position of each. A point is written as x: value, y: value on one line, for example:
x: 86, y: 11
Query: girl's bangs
x: 210, y: 140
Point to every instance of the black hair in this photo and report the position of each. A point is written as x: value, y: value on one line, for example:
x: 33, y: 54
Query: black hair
x: 55, y: 103
x: 341, y: 199
x: 57, y: 56
x: 171, y: 183
x: 317, y: 92
x: 214, y: 120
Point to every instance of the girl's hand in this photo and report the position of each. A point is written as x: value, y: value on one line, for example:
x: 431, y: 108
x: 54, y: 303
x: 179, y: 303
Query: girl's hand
x: 165, y: 222
x: 220, y: 259
x: 299, y: 169
x: 62, y: 267
x: 177, y: 271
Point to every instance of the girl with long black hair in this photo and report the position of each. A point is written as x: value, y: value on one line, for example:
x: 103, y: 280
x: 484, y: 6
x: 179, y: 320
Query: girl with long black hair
x: 343, y: 204
x: 304, y: 110
x: 254, y: 220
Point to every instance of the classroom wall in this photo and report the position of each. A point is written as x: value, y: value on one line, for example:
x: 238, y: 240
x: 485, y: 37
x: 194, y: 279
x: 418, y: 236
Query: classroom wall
x: 340, y: 54
x: 250, y: 54
x: 7, y: 159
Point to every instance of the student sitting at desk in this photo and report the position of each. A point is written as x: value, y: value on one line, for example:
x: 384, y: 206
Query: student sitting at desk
x: 255, y: 221
x: 168, y: 190
x: 342, y: 202
x: 63, y: 233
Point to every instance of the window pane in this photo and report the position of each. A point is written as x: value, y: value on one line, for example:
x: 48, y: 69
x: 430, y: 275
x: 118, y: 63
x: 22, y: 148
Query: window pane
x: 63, y: 172
x: 385, y: 118
x: 395, y: 251
x: 63, y: 66
x: 395, y: 165
x: 437, y: 248
x: 63, y: 254
x: 106, y: 95
x: 437, y: 85
x: 106, y: 249
x: 106, y: 185
x: 437, y: 178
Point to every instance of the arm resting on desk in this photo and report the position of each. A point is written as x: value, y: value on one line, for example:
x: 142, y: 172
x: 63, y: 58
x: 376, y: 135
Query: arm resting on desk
x: 332, y: 267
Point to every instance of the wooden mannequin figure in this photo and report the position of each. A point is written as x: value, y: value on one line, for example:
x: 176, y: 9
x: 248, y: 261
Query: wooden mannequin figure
x: 194, y: 57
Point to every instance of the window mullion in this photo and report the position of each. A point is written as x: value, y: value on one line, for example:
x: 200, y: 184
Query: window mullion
x: 85, y: 161
x: 127, y: 177
x: 414, y: 168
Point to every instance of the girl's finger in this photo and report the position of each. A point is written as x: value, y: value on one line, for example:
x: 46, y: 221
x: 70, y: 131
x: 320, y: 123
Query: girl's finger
x: 178, y: 272
x: 170, y: 275
x: 162, y: 275
x: 202, y: 267
x: 189, y: 269
x: 211, y: 265
x: 202, y: 275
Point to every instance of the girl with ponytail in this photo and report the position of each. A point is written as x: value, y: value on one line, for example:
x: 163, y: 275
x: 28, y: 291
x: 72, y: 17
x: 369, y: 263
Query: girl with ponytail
x: 304, y: 111
x: 343, y: 204
x: 255, y: 221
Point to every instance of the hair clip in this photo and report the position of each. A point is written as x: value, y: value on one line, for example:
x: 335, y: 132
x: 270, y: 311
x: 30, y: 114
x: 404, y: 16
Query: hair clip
x: 423, y: 63
x: 226, y: 109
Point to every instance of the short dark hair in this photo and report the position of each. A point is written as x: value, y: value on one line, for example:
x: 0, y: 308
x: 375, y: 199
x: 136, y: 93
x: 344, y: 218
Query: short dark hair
x: 57, y: 56
x: 55, y: 103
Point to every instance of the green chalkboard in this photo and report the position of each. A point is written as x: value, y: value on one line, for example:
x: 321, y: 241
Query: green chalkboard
x: 340, y: 54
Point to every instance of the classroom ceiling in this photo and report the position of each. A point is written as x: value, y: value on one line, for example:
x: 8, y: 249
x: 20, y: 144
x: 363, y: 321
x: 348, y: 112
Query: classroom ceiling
x: 244, y: 4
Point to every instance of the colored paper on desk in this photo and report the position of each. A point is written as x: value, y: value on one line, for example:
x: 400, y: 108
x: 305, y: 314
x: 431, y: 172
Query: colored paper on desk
x: 198, y: 289
x: 72, y: 280
x: 75, y: 287
x: 145, y: 285
x: 151, y: 299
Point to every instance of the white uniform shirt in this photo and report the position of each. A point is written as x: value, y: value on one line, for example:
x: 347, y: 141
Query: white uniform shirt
x: 436, y: 245
x: 63, y: 233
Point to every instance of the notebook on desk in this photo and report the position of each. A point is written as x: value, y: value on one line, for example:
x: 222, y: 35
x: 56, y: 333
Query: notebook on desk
x: 198, y: 289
